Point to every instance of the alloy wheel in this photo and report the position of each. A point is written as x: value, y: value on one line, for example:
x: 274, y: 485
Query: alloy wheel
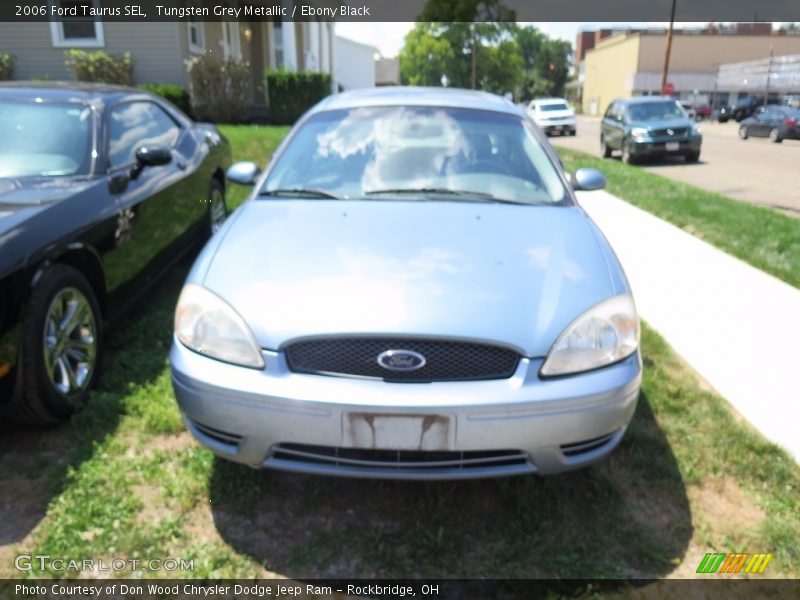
x: 70, y: 342
x: 218, y: 213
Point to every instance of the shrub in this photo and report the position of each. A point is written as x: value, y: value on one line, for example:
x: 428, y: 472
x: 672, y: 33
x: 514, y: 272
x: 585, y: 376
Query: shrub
x: 173, y: 93
x: 291, y: 94
x: 6, y: 67
x: 219, y: 89
x: 100, y: 67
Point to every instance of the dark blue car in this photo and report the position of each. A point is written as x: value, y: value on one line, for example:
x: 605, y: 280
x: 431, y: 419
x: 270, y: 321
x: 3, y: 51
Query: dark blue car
x: 649, y: 127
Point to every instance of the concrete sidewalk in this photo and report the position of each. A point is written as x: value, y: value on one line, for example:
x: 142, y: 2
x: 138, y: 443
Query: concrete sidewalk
x: 736, y: 325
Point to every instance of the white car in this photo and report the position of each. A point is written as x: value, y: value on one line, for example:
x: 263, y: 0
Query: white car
x: 553, y: 115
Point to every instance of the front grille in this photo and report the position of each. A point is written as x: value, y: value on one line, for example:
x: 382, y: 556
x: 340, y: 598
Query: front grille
x: 677, y: 132
x: 444, y: 360
x: 398, y: 459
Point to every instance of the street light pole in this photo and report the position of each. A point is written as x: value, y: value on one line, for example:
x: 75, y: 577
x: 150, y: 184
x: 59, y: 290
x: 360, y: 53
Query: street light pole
x: 669, y: 48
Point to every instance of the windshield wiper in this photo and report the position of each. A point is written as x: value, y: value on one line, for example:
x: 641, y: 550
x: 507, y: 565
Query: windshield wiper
x: 308, y: 192
x: 445, y: 191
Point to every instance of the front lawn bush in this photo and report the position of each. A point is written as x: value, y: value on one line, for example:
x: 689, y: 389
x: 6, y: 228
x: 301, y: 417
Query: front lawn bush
x: 291, y: 94
x: 6, y: 67
x: 100, y: 67
x: 172, y: 93
x: 219, y: 89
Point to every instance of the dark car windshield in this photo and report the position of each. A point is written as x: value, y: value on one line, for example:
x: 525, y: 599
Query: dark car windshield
x: 656, y: 111
x: 45, y: 140
x: 392, y: 152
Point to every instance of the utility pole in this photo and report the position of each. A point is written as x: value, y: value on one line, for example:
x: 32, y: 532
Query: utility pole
x: 669, y: 48
x: 769, y: 72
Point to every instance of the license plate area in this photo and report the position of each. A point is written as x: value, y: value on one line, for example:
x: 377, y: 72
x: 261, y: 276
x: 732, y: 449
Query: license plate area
x: 398, y: 431
x: 672, y: 146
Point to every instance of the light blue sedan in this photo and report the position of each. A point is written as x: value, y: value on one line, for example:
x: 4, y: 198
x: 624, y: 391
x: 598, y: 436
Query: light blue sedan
x: 411, y: 291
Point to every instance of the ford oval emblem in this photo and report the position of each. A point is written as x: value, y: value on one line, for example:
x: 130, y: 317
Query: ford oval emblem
x: 401, y: 360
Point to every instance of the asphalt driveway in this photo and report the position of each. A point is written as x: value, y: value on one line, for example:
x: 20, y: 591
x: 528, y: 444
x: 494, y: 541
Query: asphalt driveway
x: 754, y: 171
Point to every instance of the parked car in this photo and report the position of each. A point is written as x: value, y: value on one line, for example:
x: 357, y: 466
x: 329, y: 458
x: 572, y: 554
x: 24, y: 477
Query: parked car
x: 553, y: 115
x: 102, y: 189
x: 690, y: 111
x: 744, y: 107
x: 703, y: 111
x: 411, y: 291
x: 649, y: 127
x: 778, y: 123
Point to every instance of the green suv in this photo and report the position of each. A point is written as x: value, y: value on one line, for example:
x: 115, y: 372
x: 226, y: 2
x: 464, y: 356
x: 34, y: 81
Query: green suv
x: 649, y: 127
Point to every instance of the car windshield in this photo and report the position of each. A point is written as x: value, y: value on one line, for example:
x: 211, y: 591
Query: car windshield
x: 402, y: 152
x: 44, y: 140
x: 549, y: 107
x: 656, y: 111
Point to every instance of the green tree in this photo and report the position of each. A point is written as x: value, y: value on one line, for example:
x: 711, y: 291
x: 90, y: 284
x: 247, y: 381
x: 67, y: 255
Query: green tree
x: 434, y: 49
x: 545, y: 63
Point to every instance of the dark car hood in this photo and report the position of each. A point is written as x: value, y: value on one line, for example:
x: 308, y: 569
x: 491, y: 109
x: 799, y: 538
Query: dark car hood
x: 20, y: 199
x: 667, y: 123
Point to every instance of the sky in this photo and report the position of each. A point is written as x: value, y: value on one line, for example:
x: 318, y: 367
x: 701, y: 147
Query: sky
x: 388, y: 37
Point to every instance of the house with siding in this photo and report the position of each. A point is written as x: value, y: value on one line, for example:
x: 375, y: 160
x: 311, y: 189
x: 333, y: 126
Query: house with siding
x: 161, y: 50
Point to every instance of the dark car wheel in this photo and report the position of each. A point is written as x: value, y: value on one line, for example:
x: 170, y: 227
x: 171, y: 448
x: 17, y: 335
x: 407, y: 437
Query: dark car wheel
x: 743, y: 132
x: 217, y: 210
x: 693, y: 157
x: 605, y: 148
x: 572, y: 131
x: 775, y: 136
x: 627, y: 157
x: 61, y: 347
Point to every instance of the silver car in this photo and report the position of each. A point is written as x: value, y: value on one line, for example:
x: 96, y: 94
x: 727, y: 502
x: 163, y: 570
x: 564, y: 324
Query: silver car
x: 411, y: 291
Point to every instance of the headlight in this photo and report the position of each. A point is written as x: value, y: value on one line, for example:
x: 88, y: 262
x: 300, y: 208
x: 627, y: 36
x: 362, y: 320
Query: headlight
x: 205, y: 323
x: 602, y: 335
x: 695, y: 129
x: 640, y: 132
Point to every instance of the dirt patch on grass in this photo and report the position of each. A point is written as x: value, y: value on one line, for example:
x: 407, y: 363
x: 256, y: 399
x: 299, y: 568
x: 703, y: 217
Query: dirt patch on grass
x: 724, y: 507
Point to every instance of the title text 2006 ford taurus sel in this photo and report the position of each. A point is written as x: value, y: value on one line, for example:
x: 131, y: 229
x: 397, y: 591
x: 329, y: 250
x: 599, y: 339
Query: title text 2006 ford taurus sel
x: 411, y: 292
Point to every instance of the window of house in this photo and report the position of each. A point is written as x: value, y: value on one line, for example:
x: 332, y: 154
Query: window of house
x: 197, y: 38
x: 277, y: 38
x: 76, y: 31
x: 136, y: 124
x: 231, y: 42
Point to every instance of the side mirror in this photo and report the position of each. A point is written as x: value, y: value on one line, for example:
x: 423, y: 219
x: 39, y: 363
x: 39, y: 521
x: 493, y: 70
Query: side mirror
x: 153, y: 156
x: 587, y: 180
x: 243, y: 173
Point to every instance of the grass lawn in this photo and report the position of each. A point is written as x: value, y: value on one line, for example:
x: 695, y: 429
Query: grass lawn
x: 124, y: 479
x: 760, y: 236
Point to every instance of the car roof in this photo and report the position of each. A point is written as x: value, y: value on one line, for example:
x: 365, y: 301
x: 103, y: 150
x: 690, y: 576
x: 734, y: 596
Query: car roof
x: 548, y: 101
x: 67, y: 91
x: 417, y: 96
x: 643, y: 99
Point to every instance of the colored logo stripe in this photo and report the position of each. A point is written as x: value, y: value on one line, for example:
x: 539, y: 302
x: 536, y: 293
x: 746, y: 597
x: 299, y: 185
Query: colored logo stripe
x: 722, y: 562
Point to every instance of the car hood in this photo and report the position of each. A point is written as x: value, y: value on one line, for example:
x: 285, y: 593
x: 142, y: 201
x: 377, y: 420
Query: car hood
x: 20, y: 199
x: 667, y: 123
x: 514, y: 275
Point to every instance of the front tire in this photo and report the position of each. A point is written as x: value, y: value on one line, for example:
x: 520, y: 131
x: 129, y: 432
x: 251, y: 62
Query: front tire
x: 627, y: 157
x: 61, y: 347
x: 605, y: 149
x: 775, y: 136
x: 692, y: 157
x: 743, y: 132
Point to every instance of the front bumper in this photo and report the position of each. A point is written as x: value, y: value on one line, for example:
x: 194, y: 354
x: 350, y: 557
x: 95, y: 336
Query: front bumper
x: 660, y: 147
x: 560, y: 125
x: 446, y: 430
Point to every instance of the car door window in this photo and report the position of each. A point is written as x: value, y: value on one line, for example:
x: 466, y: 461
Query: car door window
x: 135, y: 124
